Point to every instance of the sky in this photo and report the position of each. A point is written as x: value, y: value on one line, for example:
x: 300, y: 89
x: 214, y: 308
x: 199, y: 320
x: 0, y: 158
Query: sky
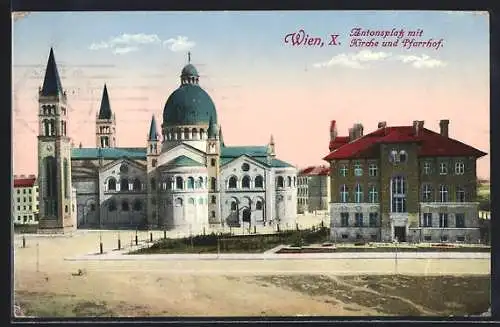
x: 260, y: 82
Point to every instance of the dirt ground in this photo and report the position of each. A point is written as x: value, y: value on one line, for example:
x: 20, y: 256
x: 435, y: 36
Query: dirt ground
x: 47, y: 285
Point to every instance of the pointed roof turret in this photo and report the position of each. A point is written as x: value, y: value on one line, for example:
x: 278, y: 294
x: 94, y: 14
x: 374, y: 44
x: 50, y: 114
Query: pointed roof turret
x: 153, y: 131
x: 105, y: 110
x: 212, y: 129
x: 52, y: 83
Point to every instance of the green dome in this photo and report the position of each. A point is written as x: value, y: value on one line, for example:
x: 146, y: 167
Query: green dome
x: 189, y: 70
x: 189, y: 105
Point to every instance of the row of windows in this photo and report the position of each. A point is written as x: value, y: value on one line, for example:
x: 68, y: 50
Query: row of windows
x: 246, y: 182
x: 443, y: 168
x: 302, y: 201
x: 29, y: 199
x: 280, y: 181
x: 49, y: 128
x: 426, y: 220
x: 185, y: 134
x: 358, y: 220
x: 27, y: 218
x: 399, y: 189
x: 18, y: 191
x: 171, y: 183
x: 443, y: 220
x: 302, y: 192
x: 358, y: 170
x: 30, y: 208
x: 51, y: 110
x: 426, y: 169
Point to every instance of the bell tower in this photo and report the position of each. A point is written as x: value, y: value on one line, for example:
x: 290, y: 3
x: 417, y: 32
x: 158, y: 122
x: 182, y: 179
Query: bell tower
x: 105, y: 123
x: 153, y: 152
x: 57, y: 210
x: 213, y: 172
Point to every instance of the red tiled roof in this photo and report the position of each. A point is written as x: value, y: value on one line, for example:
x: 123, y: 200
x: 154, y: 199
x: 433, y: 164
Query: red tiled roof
x: 432, y: 144
x: 315, y: 171
x: 24, y: 182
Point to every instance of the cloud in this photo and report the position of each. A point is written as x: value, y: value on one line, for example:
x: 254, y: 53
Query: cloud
x: 354, y: 60
x: 181, y: 43
x: 123, y: 50
x: 127, y: 43
x: 423, y: 61
x: 359, y: 60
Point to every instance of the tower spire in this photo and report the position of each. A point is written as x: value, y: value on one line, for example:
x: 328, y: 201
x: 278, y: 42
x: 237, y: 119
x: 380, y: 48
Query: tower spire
x: 153, y: 131
x: 212, y: 129
x: 189, y: 57
x: 52, y: 83
x: 105, y: 110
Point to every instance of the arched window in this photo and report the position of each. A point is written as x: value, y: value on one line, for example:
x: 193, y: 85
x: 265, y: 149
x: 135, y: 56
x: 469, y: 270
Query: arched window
x: 200, y: 201
x: 344, y: 194
x: 358, y: 194
x: 213, y: 183
x: 152, y: 181
x: 137, y: 185
x: 289, y: 181
x: 125, y: 206
x: 190, y: 183
x: 232, y: 182
x: 179, y: 134
x: 294, y: 181
x: 112, y: 184
x: 179, y: 183
x: 280, y: 181
x: 137, y: 205
x: 194, y: 134
x: 213, y: 199
x: 191, y: 201
x: 245, y: 182
x: 259, y: 181
x: 124, y: 184
x: 186, y: 133
x: 258, y: 205
x: 199, y: 182
x: 202, y: 134
x: 111, y: 205
x: 234, y: 206
x: 178, y: 202
x: 66, y: 180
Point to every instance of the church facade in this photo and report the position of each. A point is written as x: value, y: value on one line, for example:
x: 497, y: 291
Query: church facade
x: 185, y: 177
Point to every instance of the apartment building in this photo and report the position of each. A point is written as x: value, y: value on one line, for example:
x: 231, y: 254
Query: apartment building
x: 25, y: 200
x: 404, y: 183
x: 313, y: 189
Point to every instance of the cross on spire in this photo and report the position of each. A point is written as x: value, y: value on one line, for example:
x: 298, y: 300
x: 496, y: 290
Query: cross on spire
x: 189, y: 57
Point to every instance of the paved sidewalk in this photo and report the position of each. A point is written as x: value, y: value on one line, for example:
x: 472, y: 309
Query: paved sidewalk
x: 122, y: 256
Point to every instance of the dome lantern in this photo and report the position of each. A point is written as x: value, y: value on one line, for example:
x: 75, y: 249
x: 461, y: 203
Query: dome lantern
x: 189, y: 74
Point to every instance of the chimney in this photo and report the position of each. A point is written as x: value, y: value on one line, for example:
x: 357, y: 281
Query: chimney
x: 418, y: 126
x: 358, y: 130
x: 443, y: 125
x: 351, y: 134
x: 333, y: 130
x: 382, y: 124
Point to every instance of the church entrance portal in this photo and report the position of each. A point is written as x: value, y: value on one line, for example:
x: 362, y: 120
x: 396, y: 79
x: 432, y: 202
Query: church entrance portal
x: 246, y: 215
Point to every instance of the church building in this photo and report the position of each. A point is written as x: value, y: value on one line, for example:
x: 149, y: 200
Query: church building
x: 184, y: 177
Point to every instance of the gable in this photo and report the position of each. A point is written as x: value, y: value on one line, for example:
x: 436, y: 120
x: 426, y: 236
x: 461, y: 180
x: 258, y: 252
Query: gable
x: 180, y: 151
x: 115, y: 165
